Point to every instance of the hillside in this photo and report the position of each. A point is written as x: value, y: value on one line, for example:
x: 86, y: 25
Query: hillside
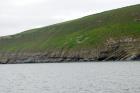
x: 110, y: 35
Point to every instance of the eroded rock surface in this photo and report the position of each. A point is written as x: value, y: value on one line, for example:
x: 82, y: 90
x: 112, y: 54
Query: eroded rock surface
x: 126, y: 49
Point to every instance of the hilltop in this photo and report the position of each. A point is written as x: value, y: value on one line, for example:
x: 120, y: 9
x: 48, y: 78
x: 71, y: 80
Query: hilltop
x: 110, y: 35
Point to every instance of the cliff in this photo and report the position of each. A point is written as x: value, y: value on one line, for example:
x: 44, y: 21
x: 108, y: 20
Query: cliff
x: 110, y: 35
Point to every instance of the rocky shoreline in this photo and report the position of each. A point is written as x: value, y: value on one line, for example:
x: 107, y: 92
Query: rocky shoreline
x: 127, y: 49
x: 35, y: 59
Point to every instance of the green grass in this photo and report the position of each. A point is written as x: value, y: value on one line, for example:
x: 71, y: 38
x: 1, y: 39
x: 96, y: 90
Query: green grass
x: 87, y: 32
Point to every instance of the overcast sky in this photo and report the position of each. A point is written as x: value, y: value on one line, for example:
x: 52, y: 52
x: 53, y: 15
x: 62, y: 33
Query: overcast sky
x: 20, y: 15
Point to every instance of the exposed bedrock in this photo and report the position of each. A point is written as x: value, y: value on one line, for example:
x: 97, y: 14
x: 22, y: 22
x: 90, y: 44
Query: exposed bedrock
x: 113, y: 50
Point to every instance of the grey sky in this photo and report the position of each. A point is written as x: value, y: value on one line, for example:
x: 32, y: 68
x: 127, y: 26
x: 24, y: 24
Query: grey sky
x: 20, y: 15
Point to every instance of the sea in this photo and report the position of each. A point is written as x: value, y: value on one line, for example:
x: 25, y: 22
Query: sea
x: 82, y: 77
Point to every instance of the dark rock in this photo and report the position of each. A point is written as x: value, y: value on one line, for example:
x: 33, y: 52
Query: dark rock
x: 136, y: 58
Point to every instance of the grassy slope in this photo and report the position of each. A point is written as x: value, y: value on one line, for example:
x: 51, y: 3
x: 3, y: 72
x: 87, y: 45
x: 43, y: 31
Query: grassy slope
x: 87, y: 32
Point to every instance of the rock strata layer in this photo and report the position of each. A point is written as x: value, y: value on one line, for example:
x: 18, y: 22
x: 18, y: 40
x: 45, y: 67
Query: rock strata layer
x: 113, y: 50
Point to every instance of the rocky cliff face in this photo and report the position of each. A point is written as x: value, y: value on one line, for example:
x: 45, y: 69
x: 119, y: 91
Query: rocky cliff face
x: 124, y: 49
